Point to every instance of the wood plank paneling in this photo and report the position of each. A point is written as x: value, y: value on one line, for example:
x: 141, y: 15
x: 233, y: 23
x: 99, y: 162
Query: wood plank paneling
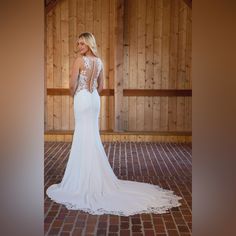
x: 73, y: 27
x: 165, y: 49
x: 144, y: 44
x: 118, y: 64
x: 65, y: 117
x: 141, y: 62
x: 149, y: 77
x: 89, y: 15
x: 111, y: 73
x: 173, y: 69
x: 80, y: 17
x: 97, y: 26
x: 133, y: 61
x: 158, y: 15
x: 188, y: 83
x: 57, y: 109
x: 104, y: 121
x: 125, y: 100
x: 165, y: 63
x: 181, y: 64
x: 49, y: 69
x: 65, y: 22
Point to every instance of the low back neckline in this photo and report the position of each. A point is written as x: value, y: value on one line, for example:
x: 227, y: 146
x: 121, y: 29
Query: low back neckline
x: 87, y: 78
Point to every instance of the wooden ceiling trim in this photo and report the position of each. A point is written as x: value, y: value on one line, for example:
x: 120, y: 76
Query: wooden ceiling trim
x: 188, y: 2
x: 50, y: 4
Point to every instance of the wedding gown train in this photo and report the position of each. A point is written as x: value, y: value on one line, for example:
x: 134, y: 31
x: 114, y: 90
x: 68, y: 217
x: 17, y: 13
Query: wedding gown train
x: 89, y: 183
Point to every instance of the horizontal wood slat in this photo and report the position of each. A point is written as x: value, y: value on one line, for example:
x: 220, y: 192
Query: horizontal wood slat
x: 158, y: 92
x: 132, y: 92
x: 65, y: 91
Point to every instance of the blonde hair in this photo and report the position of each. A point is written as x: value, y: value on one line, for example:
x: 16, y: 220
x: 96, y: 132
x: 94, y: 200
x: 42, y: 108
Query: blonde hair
x: 90, y: 41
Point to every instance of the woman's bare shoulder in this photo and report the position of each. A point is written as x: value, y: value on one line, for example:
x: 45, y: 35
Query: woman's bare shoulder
x: 79, y: 59
x: 78, y: 62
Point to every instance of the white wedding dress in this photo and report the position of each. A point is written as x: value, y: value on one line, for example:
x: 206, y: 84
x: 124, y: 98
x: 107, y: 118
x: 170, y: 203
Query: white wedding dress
x: 89, y: 183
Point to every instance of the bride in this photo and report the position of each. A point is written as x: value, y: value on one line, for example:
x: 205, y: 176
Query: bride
x: 89, y: 183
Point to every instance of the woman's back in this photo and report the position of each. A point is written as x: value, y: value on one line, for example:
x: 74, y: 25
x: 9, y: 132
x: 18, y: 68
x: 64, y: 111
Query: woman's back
x: 89, y: 74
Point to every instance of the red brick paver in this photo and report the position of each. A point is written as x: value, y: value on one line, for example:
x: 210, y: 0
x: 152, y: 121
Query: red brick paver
x: 166, y: 164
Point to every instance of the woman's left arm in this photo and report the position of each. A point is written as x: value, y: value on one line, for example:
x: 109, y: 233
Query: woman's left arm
x: 74, y: 76
x: 100, y: 82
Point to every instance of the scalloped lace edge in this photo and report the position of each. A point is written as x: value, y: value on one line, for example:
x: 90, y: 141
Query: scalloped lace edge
x: 173, y: 202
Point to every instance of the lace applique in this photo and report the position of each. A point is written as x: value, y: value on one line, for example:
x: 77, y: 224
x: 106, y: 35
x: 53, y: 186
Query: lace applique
x: 87, y: 78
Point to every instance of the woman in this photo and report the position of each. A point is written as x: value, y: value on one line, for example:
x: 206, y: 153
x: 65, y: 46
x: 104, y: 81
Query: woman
x: 89, y: 183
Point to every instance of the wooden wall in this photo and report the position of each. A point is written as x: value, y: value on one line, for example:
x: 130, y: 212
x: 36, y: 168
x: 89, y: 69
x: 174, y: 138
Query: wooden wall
x: 144, y: 44
x: 63, y: 24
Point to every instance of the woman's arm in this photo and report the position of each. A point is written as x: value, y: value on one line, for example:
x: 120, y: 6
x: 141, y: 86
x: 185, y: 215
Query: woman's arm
x: 74, y: 75
x: 100, y: 82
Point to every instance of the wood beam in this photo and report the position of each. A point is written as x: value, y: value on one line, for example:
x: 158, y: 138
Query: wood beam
x: 50, y: 4
x: 158, y: 92
x: 188, y: 2
x: 65, y: 91
x: 131, y: 92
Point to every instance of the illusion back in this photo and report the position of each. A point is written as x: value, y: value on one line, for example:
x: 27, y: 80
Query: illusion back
x: 88, y: 76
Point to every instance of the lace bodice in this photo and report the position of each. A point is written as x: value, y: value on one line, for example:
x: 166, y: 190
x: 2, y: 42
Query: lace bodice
x: 87, y: 78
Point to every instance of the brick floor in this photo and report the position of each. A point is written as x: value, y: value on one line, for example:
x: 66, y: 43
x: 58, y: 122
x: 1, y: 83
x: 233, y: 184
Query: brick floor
x: 166, y: 164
